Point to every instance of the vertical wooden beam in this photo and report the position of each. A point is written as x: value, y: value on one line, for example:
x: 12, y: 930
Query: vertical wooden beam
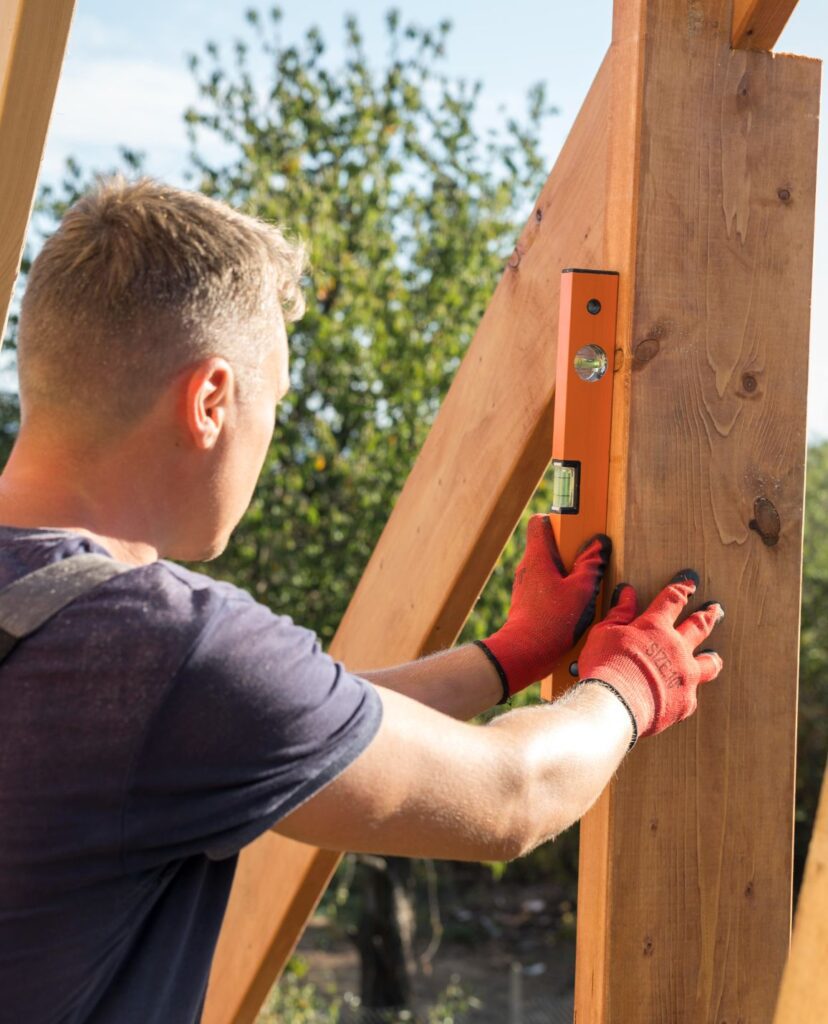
x: 483, y: 458
x: 804, y: 993
x: 757, y: 24
x: 33, y: 36
x: 685, y: 881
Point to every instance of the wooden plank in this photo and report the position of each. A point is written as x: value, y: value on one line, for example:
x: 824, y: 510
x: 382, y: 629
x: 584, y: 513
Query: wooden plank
x: 33, y: 36
x: 685, y: 880
x: 757, y: 24
x: 804, y: 993
x: 488, y: 448
x: 277, y: 886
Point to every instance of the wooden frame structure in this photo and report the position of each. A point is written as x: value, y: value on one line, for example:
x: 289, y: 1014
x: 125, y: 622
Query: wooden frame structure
x: 691, y: 171
x: 804, y: 993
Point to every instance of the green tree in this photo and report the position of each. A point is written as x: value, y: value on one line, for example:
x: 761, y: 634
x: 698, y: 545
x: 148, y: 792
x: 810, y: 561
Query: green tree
x: 408, y: 216
x: 813, y: 671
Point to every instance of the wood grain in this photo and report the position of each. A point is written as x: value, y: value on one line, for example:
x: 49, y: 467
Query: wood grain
x: 33, y: 36
x: 685, y: 883
x: 757, y: 24
x: 804, y: 993
x: 626, y: 63
x: 488, y: 449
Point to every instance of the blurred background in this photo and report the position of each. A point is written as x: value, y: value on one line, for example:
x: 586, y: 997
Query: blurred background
x: 406, y: 145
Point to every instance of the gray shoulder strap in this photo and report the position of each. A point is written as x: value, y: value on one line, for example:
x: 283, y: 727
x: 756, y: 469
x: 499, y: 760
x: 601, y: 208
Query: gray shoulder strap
x: 29, y: 602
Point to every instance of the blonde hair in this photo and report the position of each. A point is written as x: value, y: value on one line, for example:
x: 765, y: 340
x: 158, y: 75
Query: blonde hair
x: 141, y: 280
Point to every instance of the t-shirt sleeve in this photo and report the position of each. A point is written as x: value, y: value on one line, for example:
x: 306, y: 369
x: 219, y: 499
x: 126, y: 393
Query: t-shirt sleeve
x: 257, y: 719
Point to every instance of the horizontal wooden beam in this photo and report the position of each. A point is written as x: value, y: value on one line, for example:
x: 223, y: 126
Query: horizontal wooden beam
x: 804, y: 993
x: 488, y: 449
x: 33, y: 36
x: 758, y: 24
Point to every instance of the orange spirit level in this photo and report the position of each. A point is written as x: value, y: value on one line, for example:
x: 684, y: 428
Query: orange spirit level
x: 583, y: 417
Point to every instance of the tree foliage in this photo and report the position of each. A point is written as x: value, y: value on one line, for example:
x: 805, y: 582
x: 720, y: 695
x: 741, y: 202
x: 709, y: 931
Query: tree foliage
x: 407, y: 215
x: 813, y: 670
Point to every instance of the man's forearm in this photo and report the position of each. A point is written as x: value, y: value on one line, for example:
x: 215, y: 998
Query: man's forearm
x: 430, y: 787
x: 460, y: 682
x: 570, y: 750
x: 567, y: 750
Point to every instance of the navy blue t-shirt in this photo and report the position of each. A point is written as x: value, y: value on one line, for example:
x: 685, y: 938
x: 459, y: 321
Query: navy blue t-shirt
x: 147, y: 732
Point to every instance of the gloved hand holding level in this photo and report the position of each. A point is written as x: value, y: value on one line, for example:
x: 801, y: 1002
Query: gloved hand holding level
x: 550, y: 609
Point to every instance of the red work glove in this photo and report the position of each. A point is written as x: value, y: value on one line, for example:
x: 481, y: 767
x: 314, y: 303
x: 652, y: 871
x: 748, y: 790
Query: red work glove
x: 550, y: 610
x: 647, y: 660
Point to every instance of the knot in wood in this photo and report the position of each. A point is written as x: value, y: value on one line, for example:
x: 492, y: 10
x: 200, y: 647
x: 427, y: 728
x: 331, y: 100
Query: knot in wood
x: 784, y: 194
x: 766, y: 521
x: 645, y: 351
x: 515, y: 258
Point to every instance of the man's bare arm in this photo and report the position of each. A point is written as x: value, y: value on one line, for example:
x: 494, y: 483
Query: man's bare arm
x: 549, y: 611
x: 461, y: 682
x: 429, y: 786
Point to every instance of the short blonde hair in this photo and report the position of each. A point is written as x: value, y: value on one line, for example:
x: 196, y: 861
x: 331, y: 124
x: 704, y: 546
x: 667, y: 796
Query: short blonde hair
x: 141, y: 280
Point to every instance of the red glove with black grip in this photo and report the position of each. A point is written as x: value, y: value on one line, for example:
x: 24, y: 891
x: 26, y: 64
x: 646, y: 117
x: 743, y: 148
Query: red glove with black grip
x: 550, y: 610
x: 647, y: 660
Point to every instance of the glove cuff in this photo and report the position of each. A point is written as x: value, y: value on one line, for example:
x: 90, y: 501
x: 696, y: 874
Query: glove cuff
x: 504, y: 682
x: 516, y: 658
x: 627, y: 674
x: 620, y: 696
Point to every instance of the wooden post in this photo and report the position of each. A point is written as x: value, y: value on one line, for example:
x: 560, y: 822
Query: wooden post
x: 685, y: 877
x: 486, y: 452
x: 33, y: 36
x: 804, y: 993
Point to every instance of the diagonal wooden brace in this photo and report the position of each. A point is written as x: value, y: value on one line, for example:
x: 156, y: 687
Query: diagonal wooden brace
x: 757, y: 24
x: 33, y: 36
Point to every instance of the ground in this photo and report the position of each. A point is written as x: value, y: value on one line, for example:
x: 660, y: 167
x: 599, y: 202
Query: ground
x: 508, y: 946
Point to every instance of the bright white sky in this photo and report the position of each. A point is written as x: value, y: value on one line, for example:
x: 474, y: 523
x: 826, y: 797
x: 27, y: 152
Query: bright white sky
x: 125, y: 82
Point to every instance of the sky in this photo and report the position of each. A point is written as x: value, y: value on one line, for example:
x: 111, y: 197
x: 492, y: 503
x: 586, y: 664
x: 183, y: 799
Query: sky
x: 125, y: 82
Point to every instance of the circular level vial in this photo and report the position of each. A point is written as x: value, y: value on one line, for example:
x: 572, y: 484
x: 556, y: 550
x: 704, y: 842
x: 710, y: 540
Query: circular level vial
x: 591, y: 362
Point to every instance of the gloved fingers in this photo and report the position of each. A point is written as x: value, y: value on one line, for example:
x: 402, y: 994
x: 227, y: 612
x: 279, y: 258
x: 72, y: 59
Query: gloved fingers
x: 593, y: 557
x: 672, y: 600
x: 540, y: 542
x: 623, y: 606
x: 710, y: 665
x: 697, y: 627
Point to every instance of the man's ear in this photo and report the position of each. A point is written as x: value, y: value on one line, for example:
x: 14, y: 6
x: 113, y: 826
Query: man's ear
x: 209, y: 393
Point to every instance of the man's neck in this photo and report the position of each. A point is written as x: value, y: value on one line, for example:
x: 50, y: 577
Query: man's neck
x: 42, y: 486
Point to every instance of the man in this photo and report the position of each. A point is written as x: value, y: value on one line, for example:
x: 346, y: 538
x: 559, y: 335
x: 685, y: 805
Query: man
x: 162, y: 720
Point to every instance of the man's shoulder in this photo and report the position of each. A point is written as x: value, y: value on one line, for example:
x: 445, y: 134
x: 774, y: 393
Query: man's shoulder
x: 182, y: 580
x: 165, y: 595
x: 157, y: 595
x: 224, y: 613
